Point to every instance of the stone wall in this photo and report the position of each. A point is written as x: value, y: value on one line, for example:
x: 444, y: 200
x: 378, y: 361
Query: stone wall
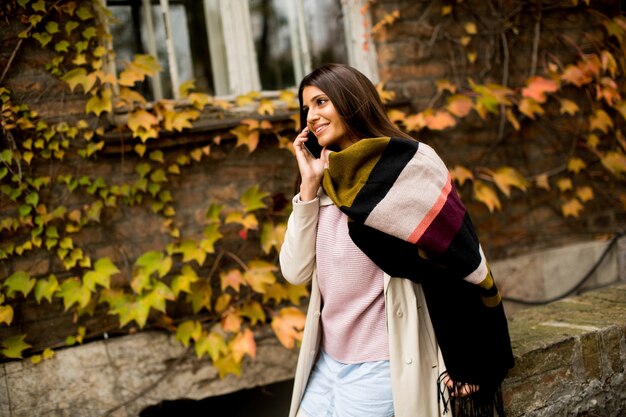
x: 570, y: 361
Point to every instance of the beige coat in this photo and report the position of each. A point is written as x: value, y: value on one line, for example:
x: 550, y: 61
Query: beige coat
x: 414, y: 355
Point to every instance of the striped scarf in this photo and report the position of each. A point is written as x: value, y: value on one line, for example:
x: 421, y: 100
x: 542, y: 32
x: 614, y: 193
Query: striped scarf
x: 406, y: 215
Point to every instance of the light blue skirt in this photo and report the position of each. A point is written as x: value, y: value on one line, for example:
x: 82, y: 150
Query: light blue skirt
x: 338, y: 389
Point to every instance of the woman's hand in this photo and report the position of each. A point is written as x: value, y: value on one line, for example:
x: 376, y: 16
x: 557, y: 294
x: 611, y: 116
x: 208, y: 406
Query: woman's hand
x: 311, y: 168
x: 463, y: 391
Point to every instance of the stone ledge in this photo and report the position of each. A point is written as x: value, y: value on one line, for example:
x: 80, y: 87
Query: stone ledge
x: 570, y: 357
x: 89, y: 380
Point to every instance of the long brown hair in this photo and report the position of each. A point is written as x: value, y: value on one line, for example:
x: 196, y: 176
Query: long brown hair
x: 355, y: 98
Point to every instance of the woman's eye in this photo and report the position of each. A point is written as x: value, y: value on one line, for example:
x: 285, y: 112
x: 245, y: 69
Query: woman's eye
x: 321, y: 101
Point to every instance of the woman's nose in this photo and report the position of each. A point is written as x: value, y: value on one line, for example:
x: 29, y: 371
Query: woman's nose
x: 311, y: 117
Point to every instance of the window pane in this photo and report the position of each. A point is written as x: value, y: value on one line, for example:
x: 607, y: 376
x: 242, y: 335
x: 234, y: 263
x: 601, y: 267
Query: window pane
x: 270, y: 29
x: 325, y: 29
x: 272, y: 38
x: 130, y: 37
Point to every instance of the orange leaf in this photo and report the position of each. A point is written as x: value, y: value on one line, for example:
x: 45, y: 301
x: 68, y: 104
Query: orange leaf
x: 459, y: 105
x: 461, y: 174
x: 288, y: 325
x: 542, y: 181
x: 584, y: 193
x: 445, y: 85
x: 243, y: 344
x: 231, y: 321
x: 266, y: 107
x: 575, y: 75
x: 232, y: 279
x: 440, y: 120
x: 537, y: 87
x: 396, y: 115
x: 608, y: 62
x: 564, y: 184
x: 572, y: 208
x: 512, y: 119
x: 486, y: 195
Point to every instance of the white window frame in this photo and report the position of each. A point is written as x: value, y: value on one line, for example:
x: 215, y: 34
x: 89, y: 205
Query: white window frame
x: 233, y: 57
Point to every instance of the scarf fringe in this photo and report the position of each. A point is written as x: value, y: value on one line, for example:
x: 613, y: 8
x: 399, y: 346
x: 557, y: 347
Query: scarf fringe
x: 482, y: 403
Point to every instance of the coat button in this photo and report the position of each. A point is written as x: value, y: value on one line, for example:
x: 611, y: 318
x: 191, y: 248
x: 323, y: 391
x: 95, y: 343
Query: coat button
x: 317, y: 314
x: 312, y: 353
x: 409, y: 360
x: 399, y: 312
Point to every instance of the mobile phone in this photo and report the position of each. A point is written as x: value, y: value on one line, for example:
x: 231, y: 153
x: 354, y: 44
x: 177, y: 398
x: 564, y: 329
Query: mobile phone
x: 313, y: 145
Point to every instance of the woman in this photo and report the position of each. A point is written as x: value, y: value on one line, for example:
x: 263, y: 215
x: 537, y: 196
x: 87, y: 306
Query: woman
x: 369, y: 346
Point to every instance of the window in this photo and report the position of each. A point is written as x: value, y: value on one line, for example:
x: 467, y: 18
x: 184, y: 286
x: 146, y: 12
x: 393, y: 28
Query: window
x: 231, y: 47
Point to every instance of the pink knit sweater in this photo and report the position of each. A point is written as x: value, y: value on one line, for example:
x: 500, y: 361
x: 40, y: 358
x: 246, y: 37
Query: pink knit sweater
x: 352, y: 288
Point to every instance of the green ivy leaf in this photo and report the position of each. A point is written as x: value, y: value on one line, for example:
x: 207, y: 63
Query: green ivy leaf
x: 70, y: 26
x: 19, y: 281
x: 187, y: 330
x: 72, y: 291
x: 200, y: 296
x: 252, y: 198
x: 212, y: 234
x: 142, y: 169
x: 183, y: 281
x: 84, y: 13
x: 89, y: 33
x: 43, y: 38
x: 191, y: 251
x: 14, y: 346
x: 158, y: 176
x: 213, y: 212
x: 157, y: 297
x: 23, y: 3
x: 46, y: 288
x: 101, y: 275
x: 52, y: 27
x: 154, y: 261
x: 40, y: 6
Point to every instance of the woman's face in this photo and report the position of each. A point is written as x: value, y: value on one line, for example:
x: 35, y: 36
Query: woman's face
x: 323, y: 119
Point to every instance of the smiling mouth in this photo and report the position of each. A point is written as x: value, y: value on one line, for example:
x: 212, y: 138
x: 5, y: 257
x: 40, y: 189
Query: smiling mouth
x: 318, y: 129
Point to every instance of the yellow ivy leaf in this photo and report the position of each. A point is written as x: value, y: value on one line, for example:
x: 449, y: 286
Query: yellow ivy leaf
x: 249, y: 221
x: 36, y: 359
x: 48, y: 353
x: 288, y: 325
x: 584, y: 193
x: 266, y: 107
x: 564, y: 184
x: 276, y: 292
x: 486, y: 195
x: 530, y: 107
x: 211, y: 343
x: 260, y: 275
x: 507, y: 177
x: 183, y: 281
x: 446, y: 10
x: 445, y: 85
x: 243, y: 344
x: 130, y: 96
x: 396, y: 115
x: 568, y: 106
x: 576, y: 165
x: 246, y: 137
x: 188, y: 330
x: 101, y: 275
x: 385, y: 95
x: 143, y: 125
x: 510, y: 116
x: 227, y: 365
x: 252, y: 199
x: 465, y: 40
x: 601, y: 121
x: 296, y: 292
x: 212, y: 234
x: 470, y: 28
x: 199, y: 100
x: 253, y: 311
x: 461, y: 174
x: 222, y: 302
x: 100, y: 103
x: 272, y: 236
x: 541, y: 181
x: 615, y: 162
x: 572, y: 208
x: 200, y: 296
x: 472, y: 56
x: 593, y: 140
x: 6, y: 314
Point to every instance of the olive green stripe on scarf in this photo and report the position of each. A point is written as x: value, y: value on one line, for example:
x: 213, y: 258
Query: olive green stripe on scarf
x: 356, y: 166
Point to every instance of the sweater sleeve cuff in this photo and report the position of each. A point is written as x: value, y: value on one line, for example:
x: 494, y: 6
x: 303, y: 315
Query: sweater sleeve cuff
x: 305, y: 208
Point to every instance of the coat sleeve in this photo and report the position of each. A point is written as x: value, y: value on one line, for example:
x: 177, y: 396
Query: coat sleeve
x: 297, y: 254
